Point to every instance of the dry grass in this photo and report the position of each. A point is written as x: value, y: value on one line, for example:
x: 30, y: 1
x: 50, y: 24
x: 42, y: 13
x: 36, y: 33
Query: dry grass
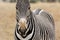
x: 7, y: 18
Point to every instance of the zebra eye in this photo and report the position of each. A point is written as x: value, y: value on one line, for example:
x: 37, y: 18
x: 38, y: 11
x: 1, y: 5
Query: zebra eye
x: 28, y: 7
x: 16, y: 8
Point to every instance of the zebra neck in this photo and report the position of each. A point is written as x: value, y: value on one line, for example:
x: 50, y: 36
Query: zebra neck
x: 29, y: 33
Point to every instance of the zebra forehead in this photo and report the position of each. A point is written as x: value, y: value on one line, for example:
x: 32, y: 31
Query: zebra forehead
x: 22, y: 5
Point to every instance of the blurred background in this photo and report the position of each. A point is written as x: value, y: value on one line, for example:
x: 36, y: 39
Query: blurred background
x: 33, y: 1
x: 8, y: 15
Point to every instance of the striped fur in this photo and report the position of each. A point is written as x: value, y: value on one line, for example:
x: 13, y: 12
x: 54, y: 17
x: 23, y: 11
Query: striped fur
x: 29, y: 32
x: 40, y: 24
x: 46, y: 25
x: 44, y: 29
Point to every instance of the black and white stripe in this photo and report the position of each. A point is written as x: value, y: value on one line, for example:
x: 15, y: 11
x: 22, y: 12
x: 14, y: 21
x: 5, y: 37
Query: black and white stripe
x: 29, y: 32
x: 47, y: 27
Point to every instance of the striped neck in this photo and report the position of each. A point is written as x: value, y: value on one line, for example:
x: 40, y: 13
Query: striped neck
x: 29, y: 32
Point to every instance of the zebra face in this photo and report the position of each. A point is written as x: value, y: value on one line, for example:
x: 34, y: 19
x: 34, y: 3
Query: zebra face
x: 23, y: 20
x: 25, y: 26
x: 23, y: 14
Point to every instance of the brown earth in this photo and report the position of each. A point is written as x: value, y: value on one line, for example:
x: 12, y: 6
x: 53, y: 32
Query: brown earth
x: 7, y: 18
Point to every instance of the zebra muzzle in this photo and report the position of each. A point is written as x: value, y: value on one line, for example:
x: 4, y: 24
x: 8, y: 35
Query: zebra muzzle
x: 22, y: 24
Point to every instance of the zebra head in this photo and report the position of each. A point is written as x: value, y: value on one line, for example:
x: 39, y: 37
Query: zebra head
x: 23, y: 13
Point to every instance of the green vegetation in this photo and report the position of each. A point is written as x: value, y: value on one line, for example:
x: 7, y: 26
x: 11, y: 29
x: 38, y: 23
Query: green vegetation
x: 33, y: 1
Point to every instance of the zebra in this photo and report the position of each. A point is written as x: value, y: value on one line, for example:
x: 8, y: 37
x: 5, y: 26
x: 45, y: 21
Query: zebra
x: 33, y: 25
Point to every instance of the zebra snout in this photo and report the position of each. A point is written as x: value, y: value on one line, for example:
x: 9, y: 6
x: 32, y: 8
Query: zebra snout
x: 22, y: 24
